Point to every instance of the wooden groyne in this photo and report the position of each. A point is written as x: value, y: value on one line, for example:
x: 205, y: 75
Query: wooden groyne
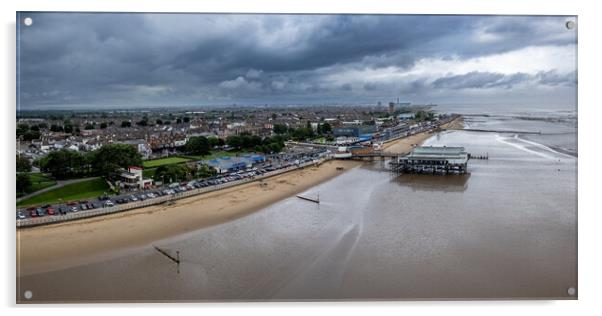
x: 310, y: 199
x: 170, y: 257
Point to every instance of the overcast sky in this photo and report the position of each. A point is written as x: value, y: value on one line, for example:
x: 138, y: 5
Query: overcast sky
x: 70, y: 60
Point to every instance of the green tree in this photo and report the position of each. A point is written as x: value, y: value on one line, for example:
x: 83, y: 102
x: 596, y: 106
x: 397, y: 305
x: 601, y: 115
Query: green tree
x: 23, y: 164
x: 205, y: 171
x: 234, y: 141
x: 64, y: 163
x: 198, y: 145
x: 31, y: 135
x: 126, y: 124
x: 89, y: 126
x: 103, y: 125
x: 22, y: 129
x: 23, y: 183
x: 109, y: 158
x: 171, y: 173
x: 280, y: 129
x: 326, y: 128
x: 56, y: 128
x: 186, y: 119
x: 159, y: 122
x: 178, y: 121
x: 213, y: 141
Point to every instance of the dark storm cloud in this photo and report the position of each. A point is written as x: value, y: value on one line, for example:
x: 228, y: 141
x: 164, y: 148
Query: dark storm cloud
x: 484, y: 80
x: 79, y: 59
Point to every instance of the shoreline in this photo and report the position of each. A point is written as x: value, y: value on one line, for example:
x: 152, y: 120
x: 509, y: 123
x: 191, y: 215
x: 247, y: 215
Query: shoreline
x: 405, y: 145
x: 62, y: 245
x: 52, y: 247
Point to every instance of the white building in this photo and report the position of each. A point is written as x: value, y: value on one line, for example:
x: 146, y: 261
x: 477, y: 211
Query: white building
x: 132, y: 179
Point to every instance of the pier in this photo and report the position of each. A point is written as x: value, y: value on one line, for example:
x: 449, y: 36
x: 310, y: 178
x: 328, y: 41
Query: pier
x: 432, y: 160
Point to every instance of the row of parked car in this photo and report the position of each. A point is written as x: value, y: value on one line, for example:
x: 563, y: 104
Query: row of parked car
x: 106, y: 201
x: 47, y: 209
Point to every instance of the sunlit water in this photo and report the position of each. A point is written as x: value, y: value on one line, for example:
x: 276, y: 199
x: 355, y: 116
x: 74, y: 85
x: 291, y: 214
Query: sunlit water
x: 506, y: 230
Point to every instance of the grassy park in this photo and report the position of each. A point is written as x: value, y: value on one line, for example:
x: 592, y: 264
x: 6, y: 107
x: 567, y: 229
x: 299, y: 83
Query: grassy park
x: 163, y: 161
x: 40, y: 181
x: 74, y: 191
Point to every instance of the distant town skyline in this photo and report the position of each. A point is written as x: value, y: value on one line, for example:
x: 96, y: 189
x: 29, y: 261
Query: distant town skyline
x: 122, y: 60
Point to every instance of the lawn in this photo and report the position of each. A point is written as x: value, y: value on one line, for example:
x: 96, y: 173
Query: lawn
x: 149, y: 173
x: 163, y: 161
x: 40, y: 181
x: 218, y: 154
x: 74, y: 191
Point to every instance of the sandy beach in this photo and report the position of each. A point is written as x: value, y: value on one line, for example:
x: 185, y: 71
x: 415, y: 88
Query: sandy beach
x: 52, y: 247
x: 405, y: 145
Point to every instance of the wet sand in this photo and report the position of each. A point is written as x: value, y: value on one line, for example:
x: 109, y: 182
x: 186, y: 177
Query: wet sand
x: 47, y: 248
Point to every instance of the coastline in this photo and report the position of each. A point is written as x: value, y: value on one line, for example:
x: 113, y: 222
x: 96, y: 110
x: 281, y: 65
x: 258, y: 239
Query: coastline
x: 46, y: 248
x: 405, y: 145
x: 62, y: 245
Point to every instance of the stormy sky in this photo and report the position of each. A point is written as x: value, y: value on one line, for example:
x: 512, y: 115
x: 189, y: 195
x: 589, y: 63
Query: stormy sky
x: 79, y: 60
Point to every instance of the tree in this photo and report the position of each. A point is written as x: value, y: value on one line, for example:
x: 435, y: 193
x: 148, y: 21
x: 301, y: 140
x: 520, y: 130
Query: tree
x: 56, y: 128
x: 205, y: 171
x: 23, y: 164
x: 280, y: 129
x: 215, y: 141
x: 326, y: 128
x: 68, y: 128
x: 142, y: 122
x: 186, y: 119
x: 103, y: 125
x: 178, y: 121
x: 234, y: 141
x: 274, y: 116
x: 159, y: 122
x: 64, y: 163
x: 31, y: 135
x: 109, y: 158
x: 198, y: 145
x: 126, y: 124
x: 166, y: 122
x: 89, y: 126
x: 22, y: 129
x: 23, y: 183
x: 171, y: 173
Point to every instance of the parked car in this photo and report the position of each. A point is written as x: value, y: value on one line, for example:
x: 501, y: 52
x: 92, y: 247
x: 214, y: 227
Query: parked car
x: 133, y: 198
x: 20, y: 215
x: 50, y: 211
x: 40, y: 211
x: 108, y: 203
x: 74, y: 209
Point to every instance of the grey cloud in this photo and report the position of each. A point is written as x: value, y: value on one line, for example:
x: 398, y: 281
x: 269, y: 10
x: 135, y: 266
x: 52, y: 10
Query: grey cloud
x: 89, y: 59
x: 485, y: 80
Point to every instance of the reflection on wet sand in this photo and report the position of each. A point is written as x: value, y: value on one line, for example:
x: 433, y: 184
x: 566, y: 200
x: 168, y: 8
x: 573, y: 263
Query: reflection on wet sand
x: 442, y: 183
